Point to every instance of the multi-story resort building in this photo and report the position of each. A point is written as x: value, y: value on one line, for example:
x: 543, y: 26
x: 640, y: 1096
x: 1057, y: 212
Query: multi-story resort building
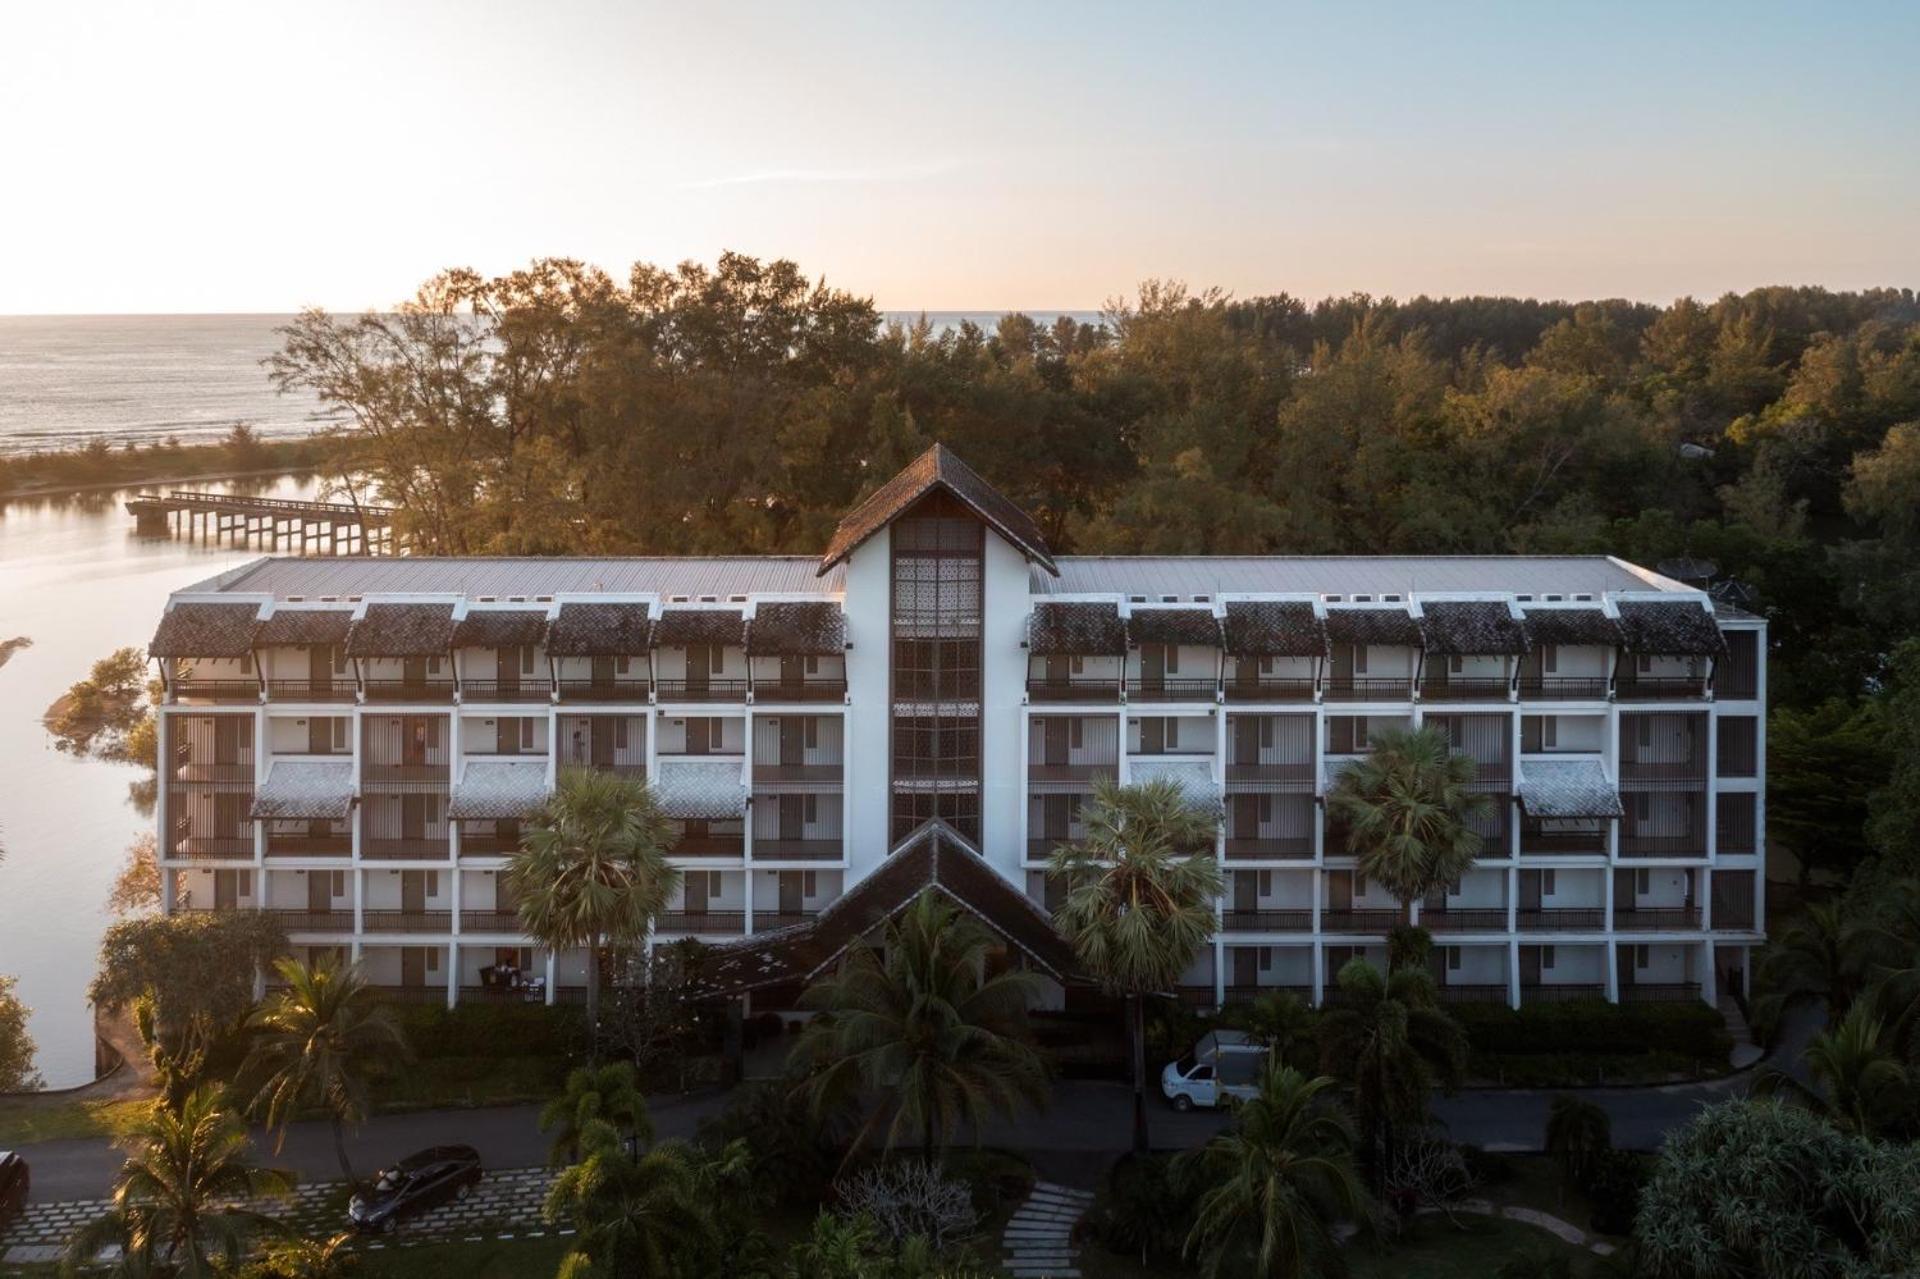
x: 354, y: 744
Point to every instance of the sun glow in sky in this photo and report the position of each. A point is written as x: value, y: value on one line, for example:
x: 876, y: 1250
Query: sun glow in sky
x: 259, y: 156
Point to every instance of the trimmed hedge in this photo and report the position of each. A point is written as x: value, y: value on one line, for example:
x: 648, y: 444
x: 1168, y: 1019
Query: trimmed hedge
x: 1591, y: 1026
x: 493, y: 1030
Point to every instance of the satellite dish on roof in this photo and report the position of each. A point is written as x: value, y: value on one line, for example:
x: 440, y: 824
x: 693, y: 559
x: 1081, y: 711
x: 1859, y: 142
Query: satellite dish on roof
x: 1694, y: 572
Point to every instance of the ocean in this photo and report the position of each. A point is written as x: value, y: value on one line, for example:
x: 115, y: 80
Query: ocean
x: 68, y: 380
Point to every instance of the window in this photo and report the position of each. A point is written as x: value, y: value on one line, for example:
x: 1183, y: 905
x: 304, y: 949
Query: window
x: 433, y: 959
x: 1640, y: 957
x: 1549, y: 732
x: 1359, y: 884
x: 1546, y: 957
x: 622, y: 665
x: 1077, y: 665
x: 339, y: 885
x: 246, y: 663
x: 1453, y: 959
x: 810, y: 732
x: 526, y: 734
x: 1076, y: 733
x: 620, y: 734
x: 716, y: 659
x: 433, y: 666
x: 1456, y: 664
x: 1359, y: 659
x: 1201, y: 1074
x: 433, y: 883
x: 339, y: 734
x: 808, y: 884
x: 1549, y: 659
x: 1266, y: 883
x: 1642, y: 882
x: 339, y: 659
x: 1546, y: 883
x: 1266, y: 811
x: 1266, y: 733
x: 1266, y: 959
x: 1643, y: 662
x: 1173, y: 734
x: 1643, y: 731
x: 246, y: 883
x: 811, y: 665
x: 810, y: 810
x: 526, y: 659
x: 1453, y: 889
x: 1173, y: 659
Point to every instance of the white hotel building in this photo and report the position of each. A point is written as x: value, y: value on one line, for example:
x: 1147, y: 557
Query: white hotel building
x: 353, y: 744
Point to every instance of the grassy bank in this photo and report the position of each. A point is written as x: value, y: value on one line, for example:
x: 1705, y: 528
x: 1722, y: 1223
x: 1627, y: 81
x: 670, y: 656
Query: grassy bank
x: 25, y: 1120
x: 102, y: 466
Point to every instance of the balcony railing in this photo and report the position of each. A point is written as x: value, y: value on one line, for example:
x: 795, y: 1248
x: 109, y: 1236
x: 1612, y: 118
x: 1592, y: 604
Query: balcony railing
x: 1247, y: 994
x: 216, y: 690
x: 1660, y: 992
x: 410, y: 994
x: 1271, y: 689
x: 1660, y: 688
x: 491, y: 921
x: 408, y: 690
x: 1732, y: 919
x: 1194, y: 995
x: 600, y: 690
x: 488, y: 845
x: 1464, y: 690
x: 819, y: 689
x: 313, y: 921
x: 1039, y: 850
x: 309, y: 845
x: 1539, y: 843
x: 710, y: 846
x: 1685, y: 846
x: 1294, y: 775
x: 1171, y: 690
x: 1360, y: 921
x: 1079, y: 775
x: 1561, y: 992
x: 767, y: 921
x: 496, y: 690
x: 1472, y: 993
x: 1656, y: 918
x: 238, y: 773
x: 705, y: 921
x: 311, y: 690
x: 1291, y: 848
x: 397, y: 775
x: 214, y: 846
x: 1674, y: 771
x: 800, y: 774
x: 712, y: 690
x: 1563, y: 688
x: 422, y: 849
x: 1562, y: 919
x: 1488, y: 919
x: 407, y: 921
x: 1368, y: 689
x: 1077, y: 688
x: 798, y: 850
x: 1266, y: 921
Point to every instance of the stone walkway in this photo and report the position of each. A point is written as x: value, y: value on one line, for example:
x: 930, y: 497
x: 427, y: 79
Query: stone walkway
x: 1039, y: 1237
x: 505, y: 1204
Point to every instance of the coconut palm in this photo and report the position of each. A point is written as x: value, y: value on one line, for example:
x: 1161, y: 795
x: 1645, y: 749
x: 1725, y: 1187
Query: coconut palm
x: 1861, y: 1086
x: 1407, y: 808
x: 1282, y: 1021
x: 649, y: 1215
x: 176, y: 1200
x: 314, y: 1041
x: 1276, y: 1182
x: 596, y: 1094
x: 592, y: 869
x: 1823, y: 958
x: 1579, y: 1133
x: 1388, y: 1037
x: 1141, y: 888
x: 919, y: 1025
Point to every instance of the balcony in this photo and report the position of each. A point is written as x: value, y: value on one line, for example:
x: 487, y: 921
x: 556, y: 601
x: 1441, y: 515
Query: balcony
x: 1562, y: 919
x: 1271, y: 688
x: 1073, y: 688
x: 767, y: 921
x: 408, y: 690
x: 708, y: 690
x: 714, y: 846
x: 1464, y: 690
x: 798, y: 850
x: 801, y: 775
x: 214, y: 847
x: 416, y: 849
x: 313, y: 921
x: 1659, y: 992
x: 1656, y: 919
x: 1296, y: 775
x: 1291, y: 848
x: 604, y: 690
x: 1195, y: 996
x: 1676, y: 774
x: 1040, y: 850
x: 497, y: 690
x: 1660, y: 688
x: 403, y: 777
x: 1677, y: 846
x: 1247, y: 994
x: 821, y: 688
x: 1467, y: 993
x: 1477, y: 919
x: 410, y: 994
x: 704, y: 921
x: 215, y: 690
x: 1171, y: 690
x: 1073, y: 776
x: 1564, y: 688
x: 1266, y: 921
x: 488, y: 844
x: 491, y: 921
x: 1361, y: 921
x: 309, y: 845
x: 1535, y: 842
x: 1561, y: 992
x: 311, y: 690
x: 407, y: 921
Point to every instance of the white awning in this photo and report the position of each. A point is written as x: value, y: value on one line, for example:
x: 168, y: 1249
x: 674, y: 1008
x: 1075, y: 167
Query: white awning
x: 703, y: 791
x: 492, y: 790
x: 298, y: 789
x: 1195, y: 778
x: 1568, y: 788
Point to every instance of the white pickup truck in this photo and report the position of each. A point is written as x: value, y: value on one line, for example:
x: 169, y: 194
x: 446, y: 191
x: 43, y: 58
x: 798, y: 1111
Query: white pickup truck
x: 1225, y: 1063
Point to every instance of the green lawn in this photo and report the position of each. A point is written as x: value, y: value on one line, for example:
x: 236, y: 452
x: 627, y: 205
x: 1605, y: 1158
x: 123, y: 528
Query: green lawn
x: 25, y: 1120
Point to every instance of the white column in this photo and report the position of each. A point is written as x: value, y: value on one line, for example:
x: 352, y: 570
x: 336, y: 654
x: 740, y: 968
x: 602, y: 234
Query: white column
x: 552, y: 974
x: 1613, y: 968
x: 453, y: 973
x: 1710, y: 978
x: 1513, y: 972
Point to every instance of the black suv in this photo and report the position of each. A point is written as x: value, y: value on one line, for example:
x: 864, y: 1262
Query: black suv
x: 415, y: 1184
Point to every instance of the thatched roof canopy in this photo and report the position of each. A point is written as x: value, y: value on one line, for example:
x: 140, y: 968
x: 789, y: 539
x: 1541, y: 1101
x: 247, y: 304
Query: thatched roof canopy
x: 1274, y: 628
x: 493, y: 790
x: 205, y: 630
x: 937, y: 468
x: 1570, y: 627
x: 304, y: 626
x: 679, y: 627
x: 600, y: 630
x: 402, y: 630
x: 303, y: 790
x: 1682, y: 628
x: 1471, y: 628
x: 797, y: 628
x: 1392, y: 625
x: 1078, y: 628
x: 1574, y: 788
x: 1181, y: 625
x: 500, y: 628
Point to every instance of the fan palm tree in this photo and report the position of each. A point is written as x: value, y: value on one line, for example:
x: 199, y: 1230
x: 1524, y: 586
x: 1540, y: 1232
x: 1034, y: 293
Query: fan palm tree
x: 1275, y: 1182
x: 920, y: 1025
x: 1407, y: 808
x: 592, y: 869
x: 1388, y: 1037
x: 1823, y: 958
x: 314, y: 1040
x: 1862, y: 1086
x: 646, y: 1216
x: 1578, y: 1134
x: 606, y: 1094
x: 1141, y: 888
x: 176, y: 1201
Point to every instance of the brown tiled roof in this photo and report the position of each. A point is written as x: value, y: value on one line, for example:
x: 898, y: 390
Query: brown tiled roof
x: 1197, y: 626
x: 799, y: 628
x: 1570, y: 626
x: 1471, y: 628
x: 304, y: 626
x: 933, y: 857
x: 937, y: 468
x: 500, y: 627
x: 600, y: 630
x: 1682, y: 627
x: 1084, y: 628
x: 205, y: 630
x: 1274, y: 628
x: 402, y: 630
x: 679, y: 627
x: 1390, y: 625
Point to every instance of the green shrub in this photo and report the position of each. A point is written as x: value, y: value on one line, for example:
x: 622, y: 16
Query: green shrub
x: 1587, y: 1026
x: 1144, y: 1210
x: 998, y: 1178
x: 1612, y: 1187
x: 492, y: 1030
x: 793, y: 1157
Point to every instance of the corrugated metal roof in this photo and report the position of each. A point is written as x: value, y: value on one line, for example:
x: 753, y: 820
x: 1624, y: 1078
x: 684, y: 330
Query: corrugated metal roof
x: 506, y: 576
x: 1187, y: 576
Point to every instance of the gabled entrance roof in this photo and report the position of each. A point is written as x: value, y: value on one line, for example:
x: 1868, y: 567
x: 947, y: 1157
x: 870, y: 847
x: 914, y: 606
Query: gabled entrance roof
x: 934, y: 856
x: 938, y: 468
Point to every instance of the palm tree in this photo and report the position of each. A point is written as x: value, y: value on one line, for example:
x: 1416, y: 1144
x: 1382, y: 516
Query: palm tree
x: 1282, y: 1021
x: 1389, y: 1038
x: 314, y: 1040
x: 592, y: 869
x: 1141, y: 888
x: 1823, y: 958
x: 643, y: 1216
x: 176, y: 1201
x: 1275, y: 1181
x: 919, y: 1024
x: 1864, y: 1087
x: 1407, y: 807
x: 1578, y: 1134
x: 596, y: 1094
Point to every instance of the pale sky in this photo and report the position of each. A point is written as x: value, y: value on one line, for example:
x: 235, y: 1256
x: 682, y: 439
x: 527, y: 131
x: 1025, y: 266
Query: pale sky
x: 260, y: 156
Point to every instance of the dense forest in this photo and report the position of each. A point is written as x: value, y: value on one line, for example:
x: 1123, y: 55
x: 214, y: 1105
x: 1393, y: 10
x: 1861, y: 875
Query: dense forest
x: 743, y: 407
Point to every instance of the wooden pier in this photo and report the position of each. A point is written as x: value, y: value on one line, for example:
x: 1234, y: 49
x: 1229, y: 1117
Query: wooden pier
x: 333, y: 528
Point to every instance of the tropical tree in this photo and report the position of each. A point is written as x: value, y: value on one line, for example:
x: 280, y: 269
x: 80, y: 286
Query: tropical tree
x: 1387, y: 1036
x: 178, y: 1199
x: 1276, y: 1182
x: 1861, y: 1085
x: 919, y: 1027
x: 649, y: 1215
x: 608, y: 1094
x: 16, y: 1045
x: 1579, y: 1133
x: 1407, y: 808
x: 1282, y: 1021
x: 314, y: 1041
x: 1823, y: 958
x: 1141, y: 888
x: 592, y: 869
